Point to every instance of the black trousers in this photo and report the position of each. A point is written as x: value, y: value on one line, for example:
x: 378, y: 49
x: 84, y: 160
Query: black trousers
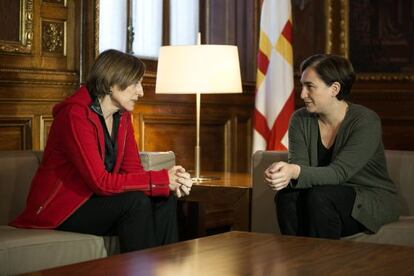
x: 322, y: 212
x: 138, y: 220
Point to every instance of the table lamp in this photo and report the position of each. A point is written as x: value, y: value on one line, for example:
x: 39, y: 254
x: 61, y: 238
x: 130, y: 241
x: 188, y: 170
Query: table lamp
x: 198, y: 69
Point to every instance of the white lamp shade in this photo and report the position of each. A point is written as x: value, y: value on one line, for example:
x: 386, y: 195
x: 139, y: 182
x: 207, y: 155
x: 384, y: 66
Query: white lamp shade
x: 198, y: 69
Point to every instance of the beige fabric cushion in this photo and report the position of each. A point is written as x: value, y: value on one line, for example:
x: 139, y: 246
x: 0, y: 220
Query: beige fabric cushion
x: 157, y: 160
x: 400, y: 166
x: 400, y: 232
x: 25, y: 250
x: 263, y: 212
x: 16, y: 171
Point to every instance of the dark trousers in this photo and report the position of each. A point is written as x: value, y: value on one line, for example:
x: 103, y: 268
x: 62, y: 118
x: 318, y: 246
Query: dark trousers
x: 138, y: 220
x: 322, y: 212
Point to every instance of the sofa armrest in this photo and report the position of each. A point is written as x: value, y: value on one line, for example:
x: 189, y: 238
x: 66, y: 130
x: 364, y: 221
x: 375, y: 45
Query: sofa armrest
x: 400, y: 165
x: 263, y: 215
x: 157, y: 160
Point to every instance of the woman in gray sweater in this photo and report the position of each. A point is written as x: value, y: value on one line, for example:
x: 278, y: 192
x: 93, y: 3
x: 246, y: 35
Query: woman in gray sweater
x: 336, y: 181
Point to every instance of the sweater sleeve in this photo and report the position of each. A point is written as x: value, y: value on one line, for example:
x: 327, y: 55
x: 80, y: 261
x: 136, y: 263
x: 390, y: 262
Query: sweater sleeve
x: 81, y: 145
x: 362, y: 137
x: 159, y: 180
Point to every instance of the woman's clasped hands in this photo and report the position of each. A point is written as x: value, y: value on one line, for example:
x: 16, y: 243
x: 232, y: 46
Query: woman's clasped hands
x: 180, y: 181
x: 279, y: 174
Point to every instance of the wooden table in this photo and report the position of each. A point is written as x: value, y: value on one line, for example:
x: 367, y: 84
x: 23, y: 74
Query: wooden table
x: 216, y: 206
x: 244, y: 253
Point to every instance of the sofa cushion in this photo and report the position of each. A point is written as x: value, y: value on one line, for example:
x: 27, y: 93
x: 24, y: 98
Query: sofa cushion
x: 157, y: 160
x: 24, y: 250
x: 400, y: 166
x: 16, y: 173
x: 400, y: 232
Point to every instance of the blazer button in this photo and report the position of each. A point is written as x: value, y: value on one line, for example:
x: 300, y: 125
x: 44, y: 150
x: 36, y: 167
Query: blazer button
x: 359, y: 206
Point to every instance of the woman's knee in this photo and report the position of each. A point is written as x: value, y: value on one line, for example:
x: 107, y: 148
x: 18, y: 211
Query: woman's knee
x: 317, y: 198
x: 286, y: 197
x: 171, y: 200
x: 330, y: 195
x: 137, y: 199
x: 169, y: 204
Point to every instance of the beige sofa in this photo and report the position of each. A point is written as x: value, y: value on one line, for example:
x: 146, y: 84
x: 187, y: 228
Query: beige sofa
x: 401, y: 168
x: 25, y: 250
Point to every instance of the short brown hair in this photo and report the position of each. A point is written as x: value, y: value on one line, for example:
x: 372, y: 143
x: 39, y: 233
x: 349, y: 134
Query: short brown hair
x: 332, y: 68
x: 111, y: 68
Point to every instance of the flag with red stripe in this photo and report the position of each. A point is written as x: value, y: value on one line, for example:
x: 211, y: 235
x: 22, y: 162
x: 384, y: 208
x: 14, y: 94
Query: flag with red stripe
x: 274, y: 102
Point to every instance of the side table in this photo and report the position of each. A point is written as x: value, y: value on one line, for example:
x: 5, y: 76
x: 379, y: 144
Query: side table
x: 216, y: 206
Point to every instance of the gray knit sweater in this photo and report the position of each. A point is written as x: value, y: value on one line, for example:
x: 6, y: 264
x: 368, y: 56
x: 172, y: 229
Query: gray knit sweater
x: 358, y: 160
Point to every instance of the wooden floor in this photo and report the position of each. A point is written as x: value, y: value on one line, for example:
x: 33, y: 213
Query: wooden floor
x: 245, y: 253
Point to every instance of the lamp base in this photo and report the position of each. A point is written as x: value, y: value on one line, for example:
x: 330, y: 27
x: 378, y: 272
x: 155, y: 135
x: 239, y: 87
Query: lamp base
x: 204, y: 178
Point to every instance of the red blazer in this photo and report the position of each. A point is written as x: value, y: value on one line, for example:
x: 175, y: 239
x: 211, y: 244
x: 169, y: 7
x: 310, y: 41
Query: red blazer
x: 72, y: 168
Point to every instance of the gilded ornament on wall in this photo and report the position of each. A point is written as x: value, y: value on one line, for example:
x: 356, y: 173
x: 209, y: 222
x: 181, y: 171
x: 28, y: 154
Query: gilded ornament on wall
x: 53, y: 38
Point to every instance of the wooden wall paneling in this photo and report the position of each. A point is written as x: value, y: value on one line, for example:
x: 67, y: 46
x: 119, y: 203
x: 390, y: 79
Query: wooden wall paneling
x: 33, y: 81
x: 48, y: 42
x: 394, y: 103
x: 89, y: 34
x: 247, y: 37
x: 309, y: 29
x: 220, y: 21
x: 389, y: 98
x: 233, y: 142
x: 15, y: 132
x: 398, y: 133
x: 239, y: 111
x: 60, y: 36
x: 35, y: 131
x: 233, y: 23
x: 16, y: 97
x: 45, y: 124
x: 163, y: 132
x: 312, y: 34
x: 242, y: 143
x: 33, y: 110
x: 34, y: 100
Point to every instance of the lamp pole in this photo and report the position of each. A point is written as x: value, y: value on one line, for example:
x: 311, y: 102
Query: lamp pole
x: 197, y: 147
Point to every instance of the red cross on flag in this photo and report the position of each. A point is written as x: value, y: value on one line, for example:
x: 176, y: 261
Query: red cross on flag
x: 274, y: 102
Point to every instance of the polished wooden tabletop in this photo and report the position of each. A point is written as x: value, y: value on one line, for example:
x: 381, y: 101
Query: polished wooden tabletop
x: 227, y: 179
x: 245, y: 253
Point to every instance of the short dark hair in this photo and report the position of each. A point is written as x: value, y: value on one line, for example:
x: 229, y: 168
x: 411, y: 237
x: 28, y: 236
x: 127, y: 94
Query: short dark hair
x: 113, y: 67
x: 332, y: 68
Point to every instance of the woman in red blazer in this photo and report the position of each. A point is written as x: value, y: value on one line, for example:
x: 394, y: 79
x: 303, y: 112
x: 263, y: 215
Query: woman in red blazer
x: 91, y: 179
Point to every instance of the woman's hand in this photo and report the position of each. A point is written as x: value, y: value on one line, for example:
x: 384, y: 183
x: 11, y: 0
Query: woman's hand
x: 180, y: 181
x: 279, y: 174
